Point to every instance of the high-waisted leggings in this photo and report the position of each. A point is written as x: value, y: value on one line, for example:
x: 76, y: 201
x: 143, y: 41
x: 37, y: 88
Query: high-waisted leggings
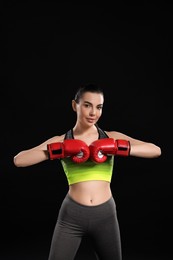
x: 75, y: 221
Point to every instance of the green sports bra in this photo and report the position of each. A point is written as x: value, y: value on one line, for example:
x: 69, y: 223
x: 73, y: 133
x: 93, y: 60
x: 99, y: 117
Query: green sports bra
x: 88, y: 170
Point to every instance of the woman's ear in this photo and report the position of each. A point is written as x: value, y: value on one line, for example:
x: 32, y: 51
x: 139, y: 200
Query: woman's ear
x: 74, y: 105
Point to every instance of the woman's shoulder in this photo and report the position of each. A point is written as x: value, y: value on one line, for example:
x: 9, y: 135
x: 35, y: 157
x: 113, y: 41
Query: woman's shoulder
x: 115, y: 134
x: 56, y: 138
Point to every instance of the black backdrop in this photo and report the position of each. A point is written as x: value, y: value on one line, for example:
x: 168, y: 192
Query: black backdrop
x: 49, y: 50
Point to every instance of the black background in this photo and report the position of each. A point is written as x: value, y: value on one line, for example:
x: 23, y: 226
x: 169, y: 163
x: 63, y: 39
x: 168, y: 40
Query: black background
x: 49, y: 50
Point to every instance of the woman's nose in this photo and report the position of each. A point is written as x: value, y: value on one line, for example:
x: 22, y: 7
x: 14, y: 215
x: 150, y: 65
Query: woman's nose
x: 93, y: 111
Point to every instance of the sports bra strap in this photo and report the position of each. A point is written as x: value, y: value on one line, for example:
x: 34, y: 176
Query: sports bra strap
x: 102, y: 134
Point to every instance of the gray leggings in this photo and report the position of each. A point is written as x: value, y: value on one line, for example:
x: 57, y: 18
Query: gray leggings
x: 75, y: 221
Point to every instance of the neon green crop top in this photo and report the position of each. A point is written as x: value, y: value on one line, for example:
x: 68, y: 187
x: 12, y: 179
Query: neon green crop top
x: 88, y: 170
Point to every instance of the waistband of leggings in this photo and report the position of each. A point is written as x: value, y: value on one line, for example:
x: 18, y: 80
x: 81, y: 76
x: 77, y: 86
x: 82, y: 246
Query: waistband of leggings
x: 110, y: 200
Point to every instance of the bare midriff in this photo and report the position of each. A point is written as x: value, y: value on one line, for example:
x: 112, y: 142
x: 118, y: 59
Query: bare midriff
x: 90, y: 193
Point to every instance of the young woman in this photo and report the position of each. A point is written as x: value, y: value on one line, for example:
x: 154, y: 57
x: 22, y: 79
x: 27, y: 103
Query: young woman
x: 87, y: 155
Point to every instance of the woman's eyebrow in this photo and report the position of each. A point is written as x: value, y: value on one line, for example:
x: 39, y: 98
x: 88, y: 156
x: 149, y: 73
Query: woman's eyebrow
x: 87, y: 102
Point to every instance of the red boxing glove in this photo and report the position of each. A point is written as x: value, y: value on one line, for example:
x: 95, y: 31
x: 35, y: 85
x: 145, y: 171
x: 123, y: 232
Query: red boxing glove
x: 99, y: 149
x: 76, y: 149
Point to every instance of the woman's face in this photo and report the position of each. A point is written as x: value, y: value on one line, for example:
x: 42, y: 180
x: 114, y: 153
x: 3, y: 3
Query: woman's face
x: 89, y: 108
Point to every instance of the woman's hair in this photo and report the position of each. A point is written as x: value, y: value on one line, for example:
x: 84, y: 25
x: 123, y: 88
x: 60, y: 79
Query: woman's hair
x: 87, y: 88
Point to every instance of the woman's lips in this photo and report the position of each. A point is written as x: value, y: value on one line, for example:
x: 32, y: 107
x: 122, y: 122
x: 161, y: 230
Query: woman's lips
x: 91, y: 120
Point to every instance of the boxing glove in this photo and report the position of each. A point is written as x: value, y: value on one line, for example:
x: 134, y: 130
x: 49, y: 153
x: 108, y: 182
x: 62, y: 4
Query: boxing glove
x: 99, y: 149
x: 76, y: 149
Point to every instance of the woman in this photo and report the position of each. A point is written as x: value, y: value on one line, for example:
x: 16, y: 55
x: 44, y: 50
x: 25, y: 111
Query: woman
x: 87, y: 155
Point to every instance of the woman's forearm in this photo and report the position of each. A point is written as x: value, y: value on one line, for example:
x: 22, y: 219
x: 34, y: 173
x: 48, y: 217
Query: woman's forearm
x: 28, y: 158
x: 145, y: 150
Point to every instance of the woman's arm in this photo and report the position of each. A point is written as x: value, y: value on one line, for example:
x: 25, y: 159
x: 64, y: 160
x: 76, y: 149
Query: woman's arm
x: 138, y: 148
x: 36, y: 154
